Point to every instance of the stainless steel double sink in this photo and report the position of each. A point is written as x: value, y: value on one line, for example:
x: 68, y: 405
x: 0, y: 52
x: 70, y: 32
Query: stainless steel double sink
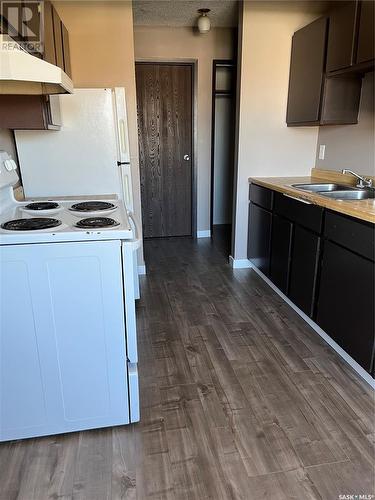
x: 337, y: 191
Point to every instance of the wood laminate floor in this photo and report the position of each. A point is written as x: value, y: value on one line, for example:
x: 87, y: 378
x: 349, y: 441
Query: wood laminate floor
x: 240, y: 400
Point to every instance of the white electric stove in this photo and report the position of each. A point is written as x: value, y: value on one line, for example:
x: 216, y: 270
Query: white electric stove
x: 43, y: 221
x: 67, y: 313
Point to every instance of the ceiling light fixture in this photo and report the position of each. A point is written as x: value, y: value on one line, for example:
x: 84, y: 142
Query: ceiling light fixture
x: 204, y: 23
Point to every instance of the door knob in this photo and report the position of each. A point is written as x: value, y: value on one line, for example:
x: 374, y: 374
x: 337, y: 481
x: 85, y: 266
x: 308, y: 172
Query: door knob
x: 186, y: 157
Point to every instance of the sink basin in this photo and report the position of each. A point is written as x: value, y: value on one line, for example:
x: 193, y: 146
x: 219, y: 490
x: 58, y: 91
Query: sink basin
x: 353, y: 194
x: 315, y: 188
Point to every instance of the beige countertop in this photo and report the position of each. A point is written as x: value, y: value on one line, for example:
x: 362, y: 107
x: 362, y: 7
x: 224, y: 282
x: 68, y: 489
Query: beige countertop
x: 361, y: 209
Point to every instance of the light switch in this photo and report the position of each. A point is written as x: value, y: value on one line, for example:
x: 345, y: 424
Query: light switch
x: 322, y: 151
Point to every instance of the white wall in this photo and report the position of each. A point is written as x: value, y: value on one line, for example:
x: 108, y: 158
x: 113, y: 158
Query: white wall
x: 266, y: 146
x: 352, y: 146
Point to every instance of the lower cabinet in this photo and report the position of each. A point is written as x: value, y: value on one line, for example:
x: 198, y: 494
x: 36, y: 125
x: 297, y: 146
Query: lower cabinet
x: 259, y: 237
x: 303, y: 269
x: 280, y: 252
x: 323, y: 261
x: 346, y: 302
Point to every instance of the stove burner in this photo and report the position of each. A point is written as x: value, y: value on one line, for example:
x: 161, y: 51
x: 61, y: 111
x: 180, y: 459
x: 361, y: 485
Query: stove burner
x: 92, y: 206
x: 32, y: 224
x: 42, y: 205
x: 96, y: 222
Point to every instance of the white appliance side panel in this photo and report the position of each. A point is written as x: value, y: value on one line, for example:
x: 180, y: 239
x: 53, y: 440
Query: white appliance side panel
x: 81, y: 158
x: 128, y: 257
x: 22, y: 400
x: 78, y: 314
x: 134, y: 392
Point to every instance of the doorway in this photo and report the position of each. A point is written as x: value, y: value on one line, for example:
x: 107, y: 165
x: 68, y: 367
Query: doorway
x: 165, y: 127
x: 222, y: 153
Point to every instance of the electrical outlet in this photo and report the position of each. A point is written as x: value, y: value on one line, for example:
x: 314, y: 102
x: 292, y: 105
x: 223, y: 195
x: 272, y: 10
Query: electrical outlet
x: 322, y: 151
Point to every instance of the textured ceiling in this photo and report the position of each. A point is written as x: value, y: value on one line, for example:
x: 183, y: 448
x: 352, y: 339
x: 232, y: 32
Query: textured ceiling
x: 183, y: 13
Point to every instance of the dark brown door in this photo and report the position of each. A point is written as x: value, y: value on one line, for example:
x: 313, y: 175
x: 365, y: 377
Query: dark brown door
x: 164, y: 98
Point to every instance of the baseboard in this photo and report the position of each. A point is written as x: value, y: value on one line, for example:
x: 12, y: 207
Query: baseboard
x: 142, y: 270
x: 204, y: 234
x: 345, y: 356
x: 239, y: 263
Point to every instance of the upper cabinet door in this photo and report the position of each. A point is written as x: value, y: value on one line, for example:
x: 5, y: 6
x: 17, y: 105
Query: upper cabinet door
x: 66, y: 50
x: 58, y: 39
x: 306, y: 73
x: 49, y: 54
x: 365, y: 51
x: 342, y: 36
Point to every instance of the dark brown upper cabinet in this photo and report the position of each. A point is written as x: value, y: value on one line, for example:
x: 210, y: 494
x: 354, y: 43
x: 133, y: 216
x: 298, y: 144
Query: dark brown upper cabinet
x: 57, y: 31
x: 29, y: 112
x: 56, y: 49
x: 306, y: 72
x: 366, y: 42
x: 49, y: 54
x: 40, y: 112
x: 313, y: 98
x: 351, y: 37
x: 55, y: 40
x: 66, y: 50
x: 342, y: 34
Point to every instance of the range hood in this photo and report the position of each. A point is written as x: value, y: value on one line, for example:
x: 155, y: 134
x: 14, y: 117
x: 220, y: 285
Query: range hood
x: 22, y: 73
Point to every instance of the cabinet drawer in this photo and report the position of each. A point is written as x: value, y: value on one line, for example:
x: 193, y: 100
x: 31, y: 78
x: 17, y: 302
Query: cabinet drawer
x: 307, y: 215
x: 356, y: 235
x: 261, y: 196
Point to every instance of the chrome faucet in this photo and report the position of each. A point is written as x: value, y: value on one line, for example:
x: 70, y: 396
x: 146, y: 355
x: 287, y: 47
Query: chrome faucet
x: 363, y: 182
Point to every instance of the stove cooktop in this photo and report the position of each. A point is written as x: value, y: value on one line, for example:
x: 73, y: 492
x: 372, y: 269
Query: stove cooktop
x: 96, y: 223
x: 31, y: 224
x: 41, y: 221
x: 42, y: 205
x: 92, y: 206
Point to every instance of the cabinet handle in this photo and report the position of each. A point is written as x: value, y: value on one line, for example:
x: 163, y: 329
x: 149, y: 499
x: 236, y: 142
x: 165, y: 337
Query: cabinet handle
x: 298, y: 199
